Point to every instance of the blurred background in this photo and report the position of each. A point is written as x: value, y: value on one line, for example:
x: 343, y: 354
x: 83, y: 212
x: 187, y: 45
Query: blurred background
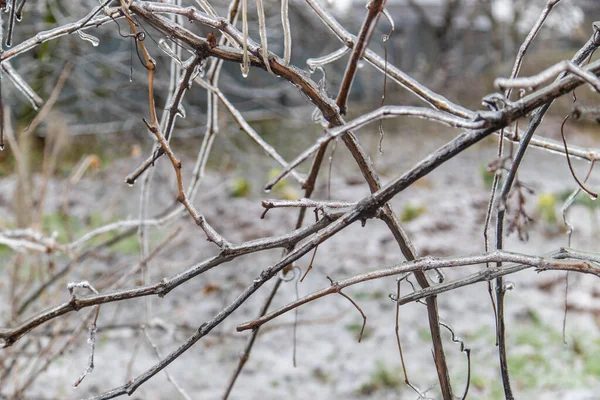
x: 455, y: 47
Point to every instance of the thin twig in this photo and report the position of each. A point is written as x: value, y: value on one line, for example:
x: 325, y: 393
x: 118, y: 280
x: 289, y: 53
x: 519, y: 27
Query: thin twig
x: 523, y: 261
x: 582, y: 185
x: 375, y: 8
x: 246, y: 354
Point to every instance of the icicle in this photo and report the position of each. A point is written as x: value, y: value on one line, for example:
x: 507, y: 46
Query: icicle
x: 245, y: 59
x: 317, y: 117
x: 287, y: 33
x: 262, y: 28
x: 207, y: 8
x: 11, y: 5
x: 89, y: 38
x: 181, y: 112
x: 381, y: 134
x: 164, y: 46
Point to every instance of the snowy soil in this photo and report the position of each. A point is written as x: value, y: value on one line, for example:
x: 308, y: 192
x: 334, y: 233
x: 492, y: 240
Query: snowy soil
x: 330, y: 362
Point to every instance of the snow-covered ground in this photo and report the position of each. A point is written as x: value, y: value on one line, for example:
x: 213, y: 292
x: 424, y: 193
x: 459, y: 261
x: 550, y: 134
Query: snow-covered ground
x: 330, y: 362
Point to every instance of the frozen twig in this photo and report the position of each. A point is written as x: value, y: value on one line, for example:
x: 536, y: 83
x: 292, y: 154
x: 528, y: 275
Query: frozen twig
x: 593, y: 195
x: 159, y: 356
x: 92, y: 329
x: 522, y: 261
x: 547, y: 75
x: 529, y: 39
x: 262, y: 29
x: 306, y: 203
x: 173, y: 111
x: 585, y: 113
x: 199, y: 219
x: 556, y: 147
x: 22, y: 86
x: 246, y: 354
x: 578, y: 59
x: 235, y: 46
x: 247, y: 128
x: 314, y: 63
x: 166, y: 285
x: 375, y: 8
x: 382, y: 112
x: 86, y: 22
x: 287, y: 32
x: 436, y: 100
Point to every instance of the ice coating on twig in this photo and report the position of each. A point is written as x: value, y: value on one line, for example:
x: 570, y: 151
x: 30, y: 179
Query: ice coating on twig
x: 388, y: 16
x: 245, y: 59
x: 262, y: 29
x: 287, y: 32
x: 314, y: 63
x: 164, y: 46
x: 207, y: 8
x: 22, y: 86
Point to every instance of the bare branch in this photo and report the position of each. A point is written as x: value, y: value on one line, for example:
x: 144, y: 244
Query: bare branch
x: 523, y: 261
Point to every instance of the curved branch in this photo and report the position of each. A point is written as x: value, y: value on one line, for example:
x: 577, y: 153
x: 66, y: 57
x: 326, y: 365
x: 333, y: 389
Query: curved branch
x: 523, y: 261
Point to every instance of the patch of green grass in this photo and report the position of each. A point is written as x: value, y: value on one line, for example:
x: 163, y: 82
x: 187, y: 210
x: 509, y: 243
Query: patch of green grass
x: 103, y: 341
x: 525, y: 369
x: 535, y: 317
x: 411, y: 212
x: 497, y: 390
x: 360, y: 295
x: 487, y: 177
x: 363, y: 295
x: 537, y: 359
x: 581, y: 199
x: 59, y: 225
x: 383, y: 377
x: 546, y: 208
x: 321, y: 375
x: 7, y: 164
x: 354, y: 329
x: 128, y: 245
x: 5, y: 251
x: 484, y: 388
x: 424, y: 334
x: 589, y: 350
x: 540, y: 359
x: 478, y: 382
x: 283, y: 189
x: 241, y: 188
x: 483, y: 332
x: 591, y: 364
